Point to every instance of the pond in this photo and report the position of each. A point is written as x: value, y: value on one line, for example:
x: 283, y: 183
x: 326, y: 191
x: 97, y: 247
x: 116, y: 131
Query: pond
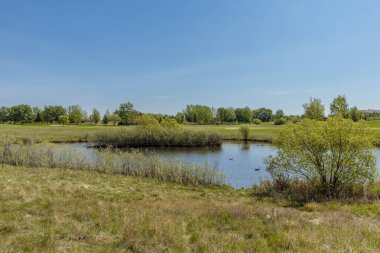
x: 242, y: 163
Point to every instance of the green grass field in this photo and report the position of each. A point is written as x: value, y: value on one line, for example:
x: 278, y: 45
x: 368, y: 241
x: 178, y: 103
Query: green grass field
x: 57, y: 210
x: 80, y: 133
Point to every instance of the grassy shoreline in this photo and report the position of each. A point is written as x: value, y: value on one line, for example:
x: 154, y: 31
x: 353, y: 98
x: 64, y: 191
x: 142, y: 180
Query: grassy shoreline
x: 60, y: 210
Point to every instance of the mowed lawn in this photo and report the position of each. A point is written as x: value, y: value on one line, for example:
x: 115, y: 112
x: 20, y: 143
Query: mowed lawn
x: 80, y: 133
x: 56, y: 210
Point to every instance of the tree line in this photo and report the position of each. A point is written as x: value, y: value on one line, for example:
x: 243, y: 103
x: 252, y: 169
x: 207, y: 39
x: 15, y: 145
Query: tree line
x: 126, y: 114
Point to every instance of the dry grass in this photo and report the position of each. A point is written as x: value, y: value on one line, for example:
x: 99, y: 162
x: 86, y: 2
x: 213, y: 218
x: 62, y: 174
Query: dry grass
x: 57, y: 210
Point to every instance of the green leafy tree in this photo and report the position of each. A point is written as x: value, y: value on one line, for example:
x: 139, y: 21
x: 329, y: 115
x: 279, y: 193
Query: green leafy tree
x: 339, y: 106
x: 355, y: 114
x: 279, y: 114
x: 263, y: 114
x: 95, y: 116
x: 244, y: 115
x: 4, y: 114
x: 21, y: 113
x: 329, y: 154
x: 314, y: 110
x: 127, y: 113
x: 52, y: 112
x: 76, y: 114
x: 63, y: 119
x: 114, y: 118
x: 147, y: 120
x: 199, y: 114
x: 180, y: 117
x: 226, y: 114
x: 106, y: 118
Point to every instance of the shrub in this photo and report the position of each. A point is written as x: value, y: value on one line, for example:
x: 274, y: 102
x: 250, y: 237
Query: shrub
x: 256, y: 121
x: 279, y: 121
x: 333, y: 155
x: 244, y: 131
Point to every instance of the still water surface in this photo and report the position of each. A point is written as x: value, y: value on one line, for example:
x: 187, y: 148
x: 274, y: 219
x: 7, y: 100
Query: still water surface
x: 242, y: 163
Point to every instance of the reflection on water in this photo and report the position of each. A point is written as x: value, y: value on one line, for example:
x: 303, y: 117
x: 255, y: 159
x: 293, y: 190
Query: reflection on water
x: 242, y: 163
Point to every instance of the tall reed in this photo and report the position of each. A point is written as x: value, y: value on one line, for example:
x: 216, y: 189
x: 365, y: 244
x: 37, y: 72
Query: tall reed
x: 109, y: 161
x: 150, y: 136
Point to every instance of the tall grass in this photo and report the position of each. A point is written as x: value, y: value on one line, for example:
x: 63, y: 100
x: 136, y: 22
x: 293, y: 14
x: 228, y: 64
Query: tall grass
x: 108, y: 161
x: 144, y: 136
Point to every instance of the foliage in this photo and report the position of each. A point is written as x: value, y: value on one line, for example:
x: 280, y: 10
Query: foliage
x: 126, y: 113
x: 180, y: 117
x: 153, y: 136
x: 279, y: 121
x: 263, y: 114
x: 339, y: 106
x: 244, y: 131
x: 314, y: 110
x: 147, y: 120
x: 355, y: 114
x: 76, y: 114
x: 63, y: 119
x: 114, y: 118
x: 244, y: 115
x: 95, y: 116
x: 52, y: 112
x: 4, y: 114
x: 256, y: 121
x: 106, y: 118
x: 21, y: 113
x: 226, y: 114
x: 331, y: 154
x: 199, y: 114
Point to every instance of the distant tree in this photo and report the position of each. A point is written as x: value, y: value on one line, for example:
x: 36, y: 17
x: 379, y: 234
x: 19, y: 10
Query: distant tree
x: 63, y: 119
x: 95, y: 116
x: 226, y: 114
x: 314, y: 110
x: 170, y: 123
x: 147, y: 120
x: 106, y: 118
x: 244, y: 115
x: 279, y: 114
x: 114, y: 118
x: 180, y: 117
x: 52, y: 112
x: 355, y: 114
x: 279, y: 121
x: 76, y: 114
x: 263, y: 114
x: 339, y: 106
x: 4, y: 114
x: 126, y: 113
x: 199, y: 114
x: 21, y: 113
x: 37, y: 114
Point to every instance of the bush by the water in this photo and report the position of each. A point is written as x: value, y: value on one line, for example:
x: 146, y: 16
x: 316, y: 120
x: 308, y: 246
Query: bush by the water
x: 151, y: 136
x: 331, y: 156
x: 109, y: 161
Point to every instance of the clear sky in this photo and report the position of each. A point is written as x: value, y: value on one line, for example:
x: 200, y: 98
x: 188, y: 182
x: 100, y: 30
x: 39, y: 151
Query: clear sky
x: 164, y: 54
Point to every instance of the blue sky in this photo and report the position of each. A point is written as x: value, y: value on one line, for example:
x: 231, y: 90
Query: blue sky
x: 162, y: 55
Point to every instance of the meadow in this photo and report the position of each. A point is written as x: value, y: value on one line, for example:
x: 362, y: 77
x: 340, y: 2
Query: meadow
x: 80, y: 133
x: 61, y: 210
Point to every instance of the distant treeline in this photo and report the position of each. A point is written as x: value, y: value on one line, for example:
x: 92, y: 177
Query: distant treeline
x: 126, y: 114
